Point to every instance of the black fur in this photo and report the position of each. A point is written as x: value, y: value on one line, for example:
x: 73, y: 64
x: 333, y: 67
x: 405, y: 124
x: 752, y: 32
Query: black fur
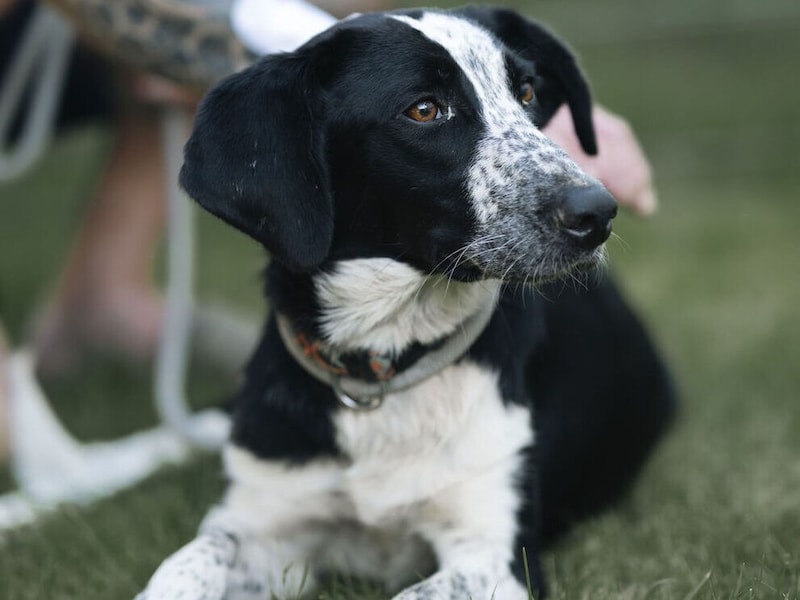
x: 307, y: 154
x: 281, y: 412
x: 324, y: 118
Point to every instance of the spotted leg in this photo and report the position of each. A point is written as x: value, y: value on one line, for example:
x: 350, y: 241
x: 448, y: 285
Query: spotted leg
x: 479, y: 575
x: 472, y: 528
x: 199, y: 570
x: 260, y: 541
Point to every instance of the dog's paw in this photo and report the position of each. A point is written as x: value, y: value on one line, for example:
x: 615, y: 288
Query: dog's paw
x: 458, y: 585
x: 198, y: 571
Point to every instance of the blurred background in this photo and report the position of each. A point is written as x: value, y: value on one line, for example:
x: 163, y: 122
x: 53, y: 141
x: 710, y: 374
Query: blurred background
x: 712, y: 88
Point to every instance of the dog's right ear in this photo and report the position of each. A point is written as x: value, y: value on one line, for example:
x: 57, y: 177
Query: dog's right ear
x: 561, y: 79
x: 254, y: 160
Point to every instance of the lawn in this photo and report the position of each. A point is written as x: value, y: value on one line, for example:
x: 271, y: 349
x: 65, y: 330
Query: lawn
x: 713, y: 90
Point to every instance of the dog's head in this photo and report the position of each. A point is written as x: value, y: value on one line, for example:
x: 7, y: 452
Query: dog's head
x: 408, y: 135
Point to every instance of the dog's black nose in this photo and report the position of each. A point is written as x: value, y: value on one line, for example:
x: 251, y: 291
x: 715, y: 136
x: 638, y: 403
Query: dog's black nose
x: 585, y: 214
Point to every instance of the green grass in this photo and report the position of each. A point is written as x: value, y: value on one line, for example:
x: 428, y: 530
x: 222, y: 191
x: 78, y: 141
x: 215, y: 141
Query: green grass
x: 713, y: 89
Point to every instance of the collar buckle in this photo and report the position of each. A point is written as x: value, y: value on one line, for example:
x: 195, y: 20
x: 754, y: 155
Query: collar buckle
x: 360, y: 403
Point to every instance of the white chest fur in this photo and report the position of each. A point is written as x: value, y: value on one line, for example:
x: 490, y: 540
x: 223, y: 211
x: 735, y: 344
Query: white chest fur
x: 439, y: 460
x: 433, y: 466
x: 443, y: 432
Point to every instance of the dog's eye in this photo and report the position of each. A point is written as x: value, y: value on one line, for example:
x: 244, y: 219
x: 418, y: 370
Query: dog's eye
x: 526, y: 93
x: 424, y: 111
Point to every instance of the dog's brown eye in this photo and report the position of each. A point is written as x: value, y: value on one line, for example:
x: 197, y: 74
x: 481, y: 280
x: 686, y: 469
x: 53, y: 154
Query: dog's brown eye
x: 526, y: 92
x: 424, y: 111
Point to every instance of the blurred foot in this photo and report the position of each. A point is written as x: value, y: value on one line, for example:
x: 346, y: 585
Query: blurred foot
x: 126, y: 322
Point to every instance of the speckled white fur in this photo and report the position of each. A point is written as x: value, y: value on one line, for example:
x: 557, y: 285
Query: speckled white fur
x: 515, y: 166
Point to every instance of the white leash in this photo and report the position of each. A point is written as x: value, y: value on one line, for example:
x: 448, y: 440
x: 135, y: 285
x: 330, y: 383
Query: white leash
x: 207, y: 429
x: 53, y: 467
x: 37, y: 72
x: 50, y: 465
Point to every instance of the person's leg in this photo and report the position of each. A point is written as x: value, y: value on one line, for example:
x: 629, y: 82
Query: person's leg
x: 105, y: 297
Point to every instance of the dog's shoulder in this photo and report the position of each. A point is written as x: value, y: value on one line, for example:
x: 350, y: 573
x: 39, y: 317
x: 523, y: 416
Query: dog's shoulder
x: 279, y: 411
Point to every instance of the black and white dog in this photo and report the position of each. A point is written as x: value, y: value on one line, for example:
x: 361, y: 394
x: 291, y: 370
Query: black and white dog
x: 414, y: 407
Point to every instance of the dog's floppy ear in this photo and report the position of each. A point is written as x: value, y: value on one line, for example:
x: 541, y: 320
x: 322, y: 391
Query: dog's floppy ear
x: 254, y: 159
x: 559, y: 77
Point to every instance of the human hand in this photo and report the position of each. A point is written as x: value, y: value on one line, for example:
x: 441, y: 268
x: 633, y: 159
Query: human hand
x: 620, y: 163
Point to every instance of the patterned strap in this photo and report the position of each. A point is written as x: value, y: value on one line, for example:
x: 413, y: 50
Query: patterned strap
x: 189, y: 42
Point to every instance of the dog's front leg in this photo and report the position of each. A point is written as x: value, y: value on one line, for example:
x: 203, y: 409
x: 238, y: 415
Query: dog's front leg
x: 472, y: 527
x: 217, y: 565
x: 198, y: 571
x: 260, y: 541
